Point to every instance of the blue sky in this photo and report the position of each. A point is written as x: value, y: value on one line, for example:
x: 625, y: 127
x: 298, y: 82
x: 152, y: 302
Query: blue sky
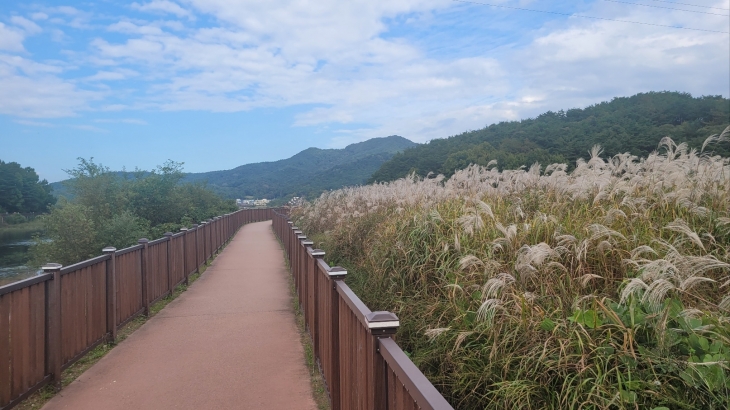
x: 220, y: 83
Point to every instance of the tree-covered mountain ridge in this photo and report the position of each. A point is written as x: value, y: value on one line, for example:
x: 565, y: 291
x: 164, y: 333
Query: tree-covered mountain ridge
x: 633, y: 124
x: 308, y: 173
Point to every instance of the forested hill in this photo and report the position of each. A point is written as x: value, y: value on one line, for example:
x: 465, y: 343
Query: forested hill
x: 627, y: 124
x: 307, y: 173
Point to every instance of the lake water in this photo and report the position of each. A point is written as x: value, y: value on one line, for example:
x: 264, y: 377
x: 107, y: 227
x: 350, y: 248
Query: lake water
x: 13, y: 259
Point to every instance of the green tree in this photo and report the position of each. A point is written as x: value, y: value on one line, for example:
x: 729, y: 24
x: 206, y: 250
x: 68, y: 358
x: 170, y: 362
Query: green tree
x: 110, y: 210
x: 21, y: 190
x: 70, y: 236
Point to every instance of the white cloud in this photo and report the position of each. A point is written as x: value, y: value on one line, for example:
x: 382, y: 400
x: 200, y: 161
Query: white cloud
x: 35, y: 123
x: 364, y: 78
x: 121, y: 120
x: 39, y: 16
x: 28, y: 26
x: 163, y: 6
x: 33, y: 90
x: 89, y: 128
x: 11, y: 39
x: 119, y: 74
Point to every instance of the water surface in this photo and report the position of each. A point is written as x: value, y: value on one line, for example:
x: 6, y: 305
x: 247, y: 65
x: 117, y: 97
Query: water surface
x: 14, y: 257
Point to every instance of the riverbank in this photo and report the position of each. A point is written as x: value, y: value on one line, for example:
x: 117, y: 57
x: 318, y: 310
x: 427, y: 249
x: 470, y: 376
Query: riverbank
x: 20, y: 231
x: 15, y: 241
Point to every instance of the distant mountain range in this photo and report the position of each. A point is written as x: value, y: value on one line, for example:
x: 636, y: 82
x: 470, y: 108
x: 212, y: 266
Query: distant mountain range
x: 308, y: 173
x: 633, y: 124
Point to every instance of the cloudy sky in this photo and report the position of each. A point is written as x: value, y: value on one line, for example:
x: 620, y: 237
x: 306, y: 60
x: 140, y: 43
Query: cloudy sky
x: 220, y: 83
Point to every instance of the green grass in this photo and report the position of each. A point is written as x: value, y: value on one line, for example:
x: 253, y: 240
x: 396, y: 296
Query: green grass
x: 319, y: 389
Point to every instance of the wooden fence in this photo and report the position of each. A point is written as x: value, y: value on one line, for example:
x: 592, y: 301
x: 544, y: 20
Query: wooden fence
x: 363, y: 367
x: 50, y: 321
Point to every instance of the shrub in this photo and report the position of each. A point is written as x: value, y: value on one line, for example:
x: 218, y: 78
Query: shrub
x: 14, y: 219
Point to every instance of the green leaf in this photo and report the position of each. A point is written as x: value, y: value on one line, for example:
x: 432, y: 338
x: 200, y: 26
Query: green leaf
x: 591, y: 319
x: 547, y: 325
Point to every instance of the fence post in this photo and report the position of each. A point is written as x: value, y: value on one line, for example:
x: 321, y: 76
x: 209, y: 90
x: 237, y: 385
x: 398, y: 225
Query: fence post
x: 53, y: 317
x: 186, y: 268
x: 111, y: 293
x: 310, y: 273
x: 380, y: 325
x: 145, y: 273
x: 170, y: 281
x: 195, y: 240
x: 336, y: 274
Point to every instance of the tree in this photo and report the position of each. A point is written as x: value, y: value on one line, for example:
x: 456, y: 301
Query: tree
x: 110, y: 210
x: 21, y: 190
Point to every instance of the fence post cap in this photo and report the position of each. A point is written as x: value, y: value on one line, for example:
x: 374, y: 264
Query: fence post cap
x: 290, y: 222
x: 109, y: 249
x: 382, y: 320
x: 308, y: 243
x: 294, y: 228
x: 337, y: 272
x: 143, y: 240
x: 302, y: 237
x: 183, y: 229
x: 168, y: 234
x: 50, y: 267
x: 318, y: 253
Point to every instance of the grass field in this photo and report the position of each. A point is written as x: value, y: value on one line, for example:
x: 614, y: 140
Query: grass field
x: 604, y: 287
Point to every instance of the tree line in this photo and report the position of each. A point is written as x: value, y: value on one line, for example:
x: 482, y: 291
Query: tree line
x: 21, y: 190
x: 109, y: 210
x: 626, y: 124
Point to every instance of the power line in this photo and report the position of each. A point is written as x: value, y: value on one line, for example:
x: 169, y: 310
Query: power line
x: 691, y: 5
x: 667, y: 8
x: 588, y: 17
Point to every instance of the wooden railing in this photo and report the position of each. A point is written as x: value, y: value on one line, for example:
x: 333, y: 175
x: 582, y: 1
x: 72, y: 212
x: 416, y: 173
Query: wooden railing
x: 50, y: 321
x: 363, y: 367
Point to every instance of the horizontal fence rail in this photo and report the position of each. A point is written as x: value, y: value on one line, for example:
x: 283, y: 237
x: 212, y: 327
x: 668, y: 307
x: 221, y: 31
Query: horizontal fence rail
x: 362, y: 365
x: 50, y: 321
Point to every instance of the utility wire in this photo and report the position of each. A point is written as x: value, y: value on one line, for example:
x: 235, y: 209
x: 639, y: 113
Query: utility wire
x: 667, y: 8
x: 588, y: 17
x: 692, y: 5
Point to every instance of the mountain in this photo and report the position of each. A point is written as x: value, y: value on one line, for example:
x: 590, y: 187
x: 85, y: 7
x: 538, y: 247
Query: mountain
x: 633, y: 124
x: 307, y: 173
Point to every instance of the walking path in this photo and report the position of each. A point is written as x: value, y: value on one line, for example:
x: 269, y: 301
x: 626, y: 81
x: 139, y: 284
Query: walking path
x: 229, y: 342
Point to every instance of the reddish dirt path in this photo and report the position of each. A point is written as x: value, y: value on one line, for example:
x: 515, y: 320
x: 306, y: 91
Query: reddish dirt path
x: 229, y: 342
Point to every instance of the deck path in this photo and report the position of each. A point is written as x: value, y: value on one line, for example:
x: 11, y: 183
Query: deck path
x: 229, y: 342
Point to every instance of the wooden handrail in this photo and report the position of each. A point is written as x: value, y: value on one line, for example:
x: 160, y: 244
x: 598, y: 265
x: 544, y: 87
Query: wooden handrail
x: 108, y: 291
x: 362, y: 365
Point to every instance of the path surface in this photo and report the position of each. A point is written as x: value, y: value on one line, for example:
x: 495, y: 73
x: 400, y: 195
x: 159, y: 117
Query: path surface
x: 229, y: 342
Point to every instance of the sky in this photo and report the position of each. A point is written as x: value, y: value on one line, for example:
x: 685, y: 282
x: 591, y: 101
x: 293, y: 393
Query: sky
x: 220, y: 83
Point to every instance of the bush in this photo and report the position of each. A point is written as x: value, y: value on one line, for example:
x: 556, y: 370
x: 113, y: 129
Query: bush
x: 14, y: 219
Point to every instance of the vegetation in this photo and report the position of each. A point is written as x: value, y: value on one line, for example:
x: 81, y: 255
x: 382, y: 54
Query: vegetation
x: 21, y: 230
x: 21, y: 190
x: 107, y: 210
x: 601, y: 287
x: 632, y: 124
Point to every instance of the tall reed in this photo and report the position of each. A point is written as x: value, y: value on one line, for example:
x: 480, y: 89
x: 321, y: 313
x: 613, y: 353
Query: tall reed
x: 604, y: 287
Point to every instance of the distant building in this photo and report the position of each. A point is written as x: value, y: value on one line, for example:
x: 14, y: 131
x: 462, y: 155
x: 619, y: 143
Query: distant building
x: 295, y: 201
x: 261, y: 202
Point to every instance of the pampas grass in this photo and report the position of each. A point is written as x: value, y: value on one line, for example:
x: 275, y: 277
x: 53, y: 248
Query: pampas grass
x: 603, y: 287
